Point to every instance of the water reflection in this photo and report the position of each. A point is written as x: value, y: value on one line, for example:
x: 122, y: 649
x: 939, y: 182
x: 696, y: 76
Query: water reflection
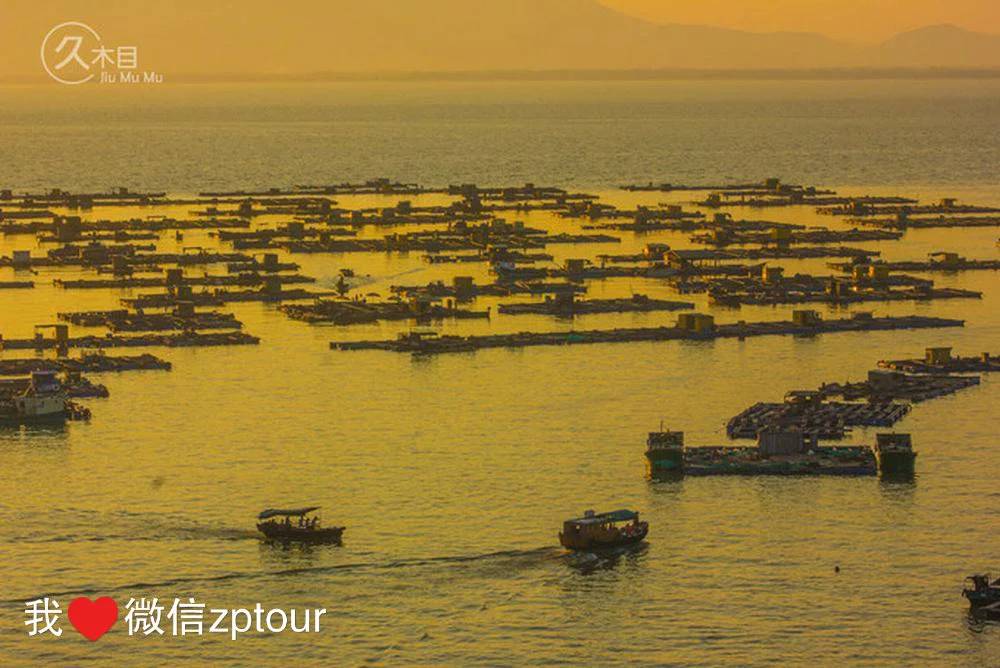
x: 587, y: 563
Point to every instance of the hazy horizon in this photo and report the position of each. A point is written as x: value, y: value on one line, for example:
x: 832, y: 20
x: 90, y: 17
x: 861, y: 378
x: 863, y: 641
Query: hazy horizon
x: 186, y: 40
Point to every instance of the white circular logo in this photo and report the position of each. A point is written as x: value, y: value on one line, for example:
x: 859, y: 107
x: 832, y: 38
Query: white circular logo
x: 66, y: 52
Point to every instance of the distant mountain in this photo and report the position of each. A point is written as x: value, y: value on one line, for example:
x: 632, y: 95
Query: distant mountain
x: 940, y: 45
x: 292, y: 38
x: 436, y: 35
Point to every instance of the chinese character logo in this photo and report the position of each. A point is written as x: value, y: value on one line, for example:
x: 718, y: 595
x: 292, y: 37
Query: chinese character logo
x: 73, y: 53
x: 67, y: 52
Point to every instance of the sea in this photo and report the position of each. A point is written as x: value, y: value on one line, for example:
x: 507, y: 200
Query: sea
x: 453, y: 474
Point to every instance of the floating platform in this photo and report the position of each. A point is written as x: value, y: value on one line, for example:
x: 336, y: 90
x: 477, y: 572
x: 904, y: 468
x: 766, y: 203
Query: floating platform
x: 566, y: 306
x: 694, y: 327
x: 819, y: 419
x: 514, y: 257
x: 815, y: 236
x: 71, y: 255
x: 940, y: 360
x: 86, y: 363
x: 866, y: 208
x: 737, y: 254
x: 769, y: 296
x: 884, y: 386
x: 220, y: 296
x: 221, y: 280
x: 938, y: 262
x: 123, y: 320
x: 824, y: 460
x: 349, y: 312
x: 182, y: 340
x: 759, y: 199
x: 428, y: 243
x: 770, y: 185
x: 780, y: 451
x: 901, y: 222
x: 464, y: 288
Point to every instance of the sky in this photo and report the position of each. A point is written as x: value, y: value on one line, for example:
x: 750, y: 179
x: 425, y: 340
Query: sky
x: 867, y: 20
x: 307, y: 38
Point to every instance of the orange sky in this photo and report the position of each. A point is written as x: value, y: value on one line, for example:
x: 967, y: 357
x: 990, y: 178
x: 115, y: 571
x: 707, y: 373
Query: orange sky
x: 858, y: 19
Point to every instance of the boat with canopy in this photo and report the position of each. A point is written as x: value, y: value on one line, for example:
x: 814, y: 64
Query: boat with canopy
x: 595, y: 531
x: 296, y: 525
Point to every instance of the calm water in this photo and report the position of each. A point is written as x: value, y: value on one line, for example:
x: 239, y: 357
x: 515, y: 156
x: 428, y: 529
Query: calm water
x: 453, y: 474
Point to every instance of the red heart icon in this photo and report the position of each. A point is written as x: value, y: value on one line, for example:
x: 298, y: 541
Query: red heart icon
x: 93, y: 618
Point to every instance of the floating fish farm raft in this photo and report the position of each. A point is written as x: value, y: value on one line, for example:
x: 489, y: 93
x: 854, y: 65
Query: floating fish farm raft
x: 772, y: 287
x: 126, y: 321
x: 87, y: 248
x: 567, y: 305
x: 693, y: 326
x: 780, y: 451
x: 661, y: 252
x: 828, y: 420
x: 220, y: 280
x: 813, y: 236
x: 86, y: 363
x: 906, y: 222
x: 465, y: 288
x: 881, y: 400
x: 939, y: 261
x: 493, y: 255
x: 940, y: 360
x: 179, y: 340
x: 354, y: 311
x: 868, y: 208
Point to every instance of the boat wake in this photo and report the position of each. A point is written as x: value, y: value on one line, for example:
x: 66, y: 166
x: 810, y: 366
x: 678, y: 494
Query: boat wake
x: 522, y: 559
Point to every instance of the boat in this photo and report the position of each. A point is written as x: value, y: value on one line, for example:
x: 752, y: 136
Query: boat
x: 665, y: 452
x: 980, y: 591
x: 295, y: 526
x: 595, y: 531
x: 894, y: 454
x: 43, y: 400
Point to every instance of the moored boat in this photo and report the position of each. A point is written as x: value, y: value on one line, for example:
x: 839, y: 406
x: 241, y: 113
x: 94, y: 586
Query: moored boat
x: 595, y: 531
x: 278, y: 525
x: 665, y: 452
x: 894, y: 454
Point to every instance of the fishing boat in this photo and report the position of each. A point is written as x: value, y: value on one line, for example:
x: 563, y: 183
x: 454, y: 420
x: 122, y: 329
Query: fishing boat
x: 894, y: 454
x: 665, y: 452
x: 595, y: 531
x: 295, y: 525
x: 41, y: 400
x: 980, y: 591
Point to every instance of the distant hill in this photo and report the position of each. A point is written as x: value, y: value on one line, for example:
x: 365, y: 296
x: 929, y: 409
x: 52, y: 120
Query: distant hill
x: 290, y: 38
x: 941, y: 45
